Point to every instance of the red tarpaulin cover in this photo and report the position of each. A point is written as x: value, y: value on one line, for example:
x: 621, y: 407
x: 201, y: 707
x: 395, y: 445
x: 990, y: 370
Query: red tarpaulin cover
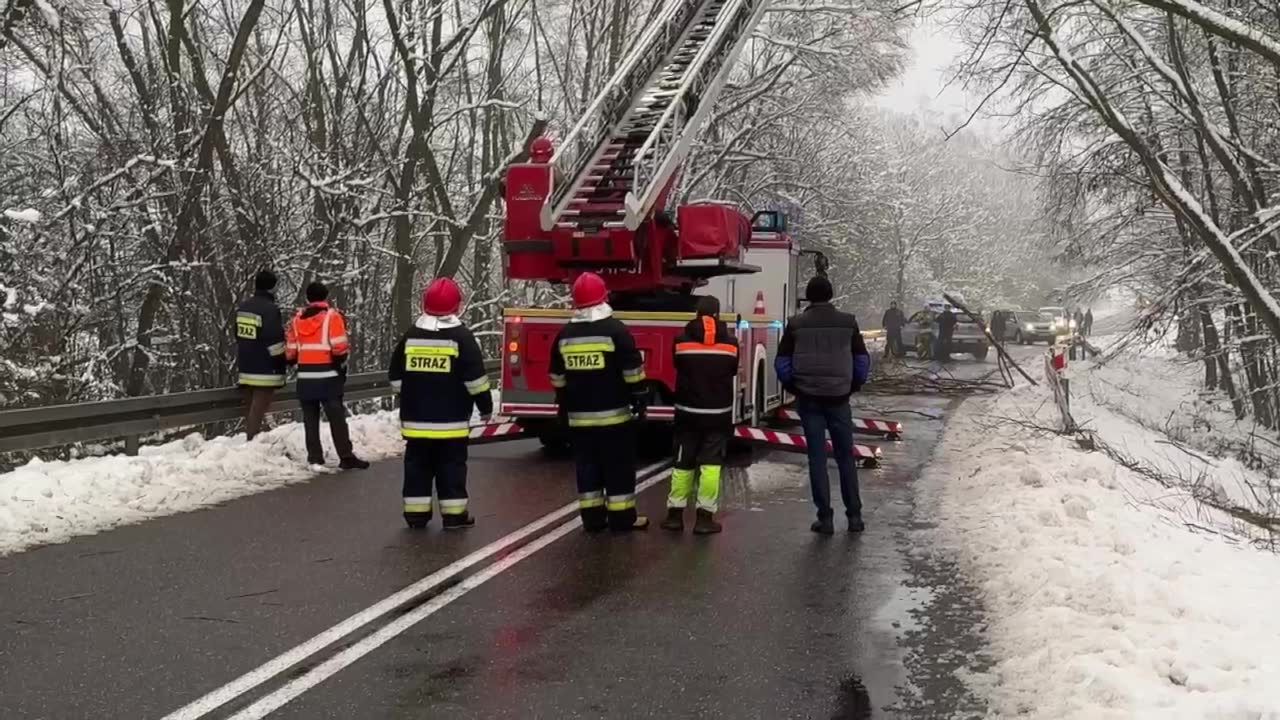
x: 712, y: 230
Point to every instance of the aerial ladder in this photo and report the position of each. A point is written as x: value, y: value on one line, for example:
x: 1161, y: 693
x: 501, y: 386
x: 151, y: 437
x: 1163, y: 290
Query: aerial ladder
x: 604, y: 201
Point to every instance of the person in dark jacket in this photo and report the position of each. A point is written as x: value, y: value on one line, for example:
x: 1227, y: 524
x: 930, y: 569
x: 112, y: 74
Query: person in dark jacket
x: 999, y: 323
x: 946, y: 331
x: 822, y: 360
x: 317, y: 343
x: 1088, y: 322
x: 260, y: 351
x: 706, y: 362
x: 438, y: 369
x: 892, y: 324
x: 599, y: 377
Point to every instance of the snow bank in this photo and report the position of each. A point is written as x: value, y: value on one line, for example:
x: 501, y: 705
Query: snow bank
x: 50, y: 502
x: 1108, y: 595
x: 30, y: 215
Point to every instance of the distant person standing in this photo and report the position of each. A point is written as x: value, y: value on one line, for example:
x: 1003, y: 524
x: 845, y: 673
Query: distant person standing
x: 946, y: 331
x: 317, y: 343
x: 822, y: 360
x: 260, y: 355
x: 999, y: 322
x: 892, y: 323
x: 1088, y: 322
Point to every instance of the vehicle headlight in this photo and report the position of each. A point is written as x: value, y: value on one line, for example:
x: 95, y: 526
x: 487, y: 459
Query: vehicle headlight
x: 1030, y: 326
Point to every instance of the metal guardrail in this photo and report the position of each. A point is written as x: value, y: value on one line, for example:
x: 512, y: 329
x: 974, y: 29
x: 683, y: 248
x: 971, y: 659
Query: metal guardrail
x: 130, y: 418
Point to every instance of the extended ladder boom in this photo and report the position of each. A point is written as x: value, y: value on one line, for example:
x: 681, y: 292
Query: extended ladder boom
x: 621, y: 157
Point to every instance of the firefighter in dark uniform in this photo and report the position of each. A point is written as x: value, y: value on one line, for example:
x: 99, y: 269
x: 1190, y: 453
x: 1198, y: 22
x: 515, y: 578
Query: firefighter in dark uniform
x: 706, y: 362
x: 439, y: 372
x: 599, y: 378
x: 259, y: 350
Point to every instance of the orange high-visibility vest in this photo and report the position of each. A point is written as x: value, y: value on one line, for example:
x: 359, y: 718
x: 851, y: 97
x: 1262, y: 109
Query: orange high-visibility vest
x: 317, y: 341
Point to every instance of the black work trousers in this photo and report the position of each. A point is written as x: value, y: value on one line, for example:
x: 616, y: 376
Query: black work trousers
x: 605, y: 458
x: 439, y: 462
x: 337, y: 416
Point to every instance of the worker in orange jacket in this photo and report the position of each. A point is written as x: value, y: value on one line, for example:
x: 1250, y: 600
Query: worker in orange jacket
x: 317, y: 343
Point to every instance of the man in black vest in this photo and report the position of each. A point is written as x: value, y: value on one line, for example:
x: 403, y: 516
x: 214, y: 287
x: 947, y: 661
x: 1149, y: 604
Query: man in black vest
x: 822, y: 360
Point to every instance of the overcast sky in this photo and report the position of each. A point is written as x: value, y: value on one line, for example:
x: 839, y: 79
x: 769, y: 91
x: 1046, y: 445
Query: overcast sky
x: 921, y: 85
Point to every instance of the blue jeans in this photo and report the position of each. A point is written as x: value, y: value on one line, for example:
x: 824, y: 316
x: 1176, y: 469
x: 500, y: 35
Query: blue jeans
x: 819, y: 419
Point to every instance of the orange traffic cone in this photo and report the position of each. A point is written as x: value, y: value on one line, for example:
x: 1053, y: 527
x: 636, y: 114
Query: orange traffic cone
x: 759, y: 308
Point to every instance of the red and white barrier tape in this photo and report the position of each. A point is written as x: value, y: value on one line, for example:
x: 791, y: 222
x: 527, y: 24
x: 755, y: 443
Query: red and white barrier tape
x: 796, y: 441
x: 863, y: 425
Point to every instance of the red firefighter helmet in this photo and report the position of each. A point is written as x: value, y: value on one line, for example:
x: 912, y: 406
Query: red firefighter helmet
x: 442, y: 297
x: 541, y: 150
x: 589, y: 290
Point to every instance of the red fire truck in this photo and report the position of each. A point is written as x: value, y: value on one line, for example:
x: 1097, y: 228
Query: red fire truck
x: 604, y: 202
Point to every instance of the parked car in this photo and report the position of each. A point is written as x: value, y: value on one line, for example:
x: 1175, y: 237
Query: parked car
x: 922, y: 327
x: 1061, y: 318
x: 1043, y: 326
x: 1010, y: 326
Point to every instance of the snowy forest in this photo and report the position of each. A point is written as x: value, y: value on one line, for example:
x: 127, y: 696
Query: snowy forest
x: 1156, y: 126
x: 154, y: 155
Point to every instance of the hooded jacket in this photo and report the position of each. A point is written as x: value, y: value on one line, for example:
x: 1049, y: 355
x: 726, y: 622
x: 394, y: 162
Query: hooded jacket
x: 317, y: 342
x: 438, y: 369
x: 706, y: 362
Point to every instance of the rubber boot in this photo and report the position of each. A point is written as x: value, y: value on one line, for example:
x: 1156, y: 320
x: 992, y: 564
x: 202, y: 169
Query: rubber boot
x: 706, y: 523
x: 417, y: 521
x: 855, y: 524
x: 640, y: 523
x: 675, y: 520
x: 823, y: 526
x: 458, y: 522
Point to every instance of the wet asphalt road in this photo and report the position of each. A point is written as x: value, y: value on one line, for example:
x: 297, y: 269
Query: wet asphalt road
x: 764, y: 621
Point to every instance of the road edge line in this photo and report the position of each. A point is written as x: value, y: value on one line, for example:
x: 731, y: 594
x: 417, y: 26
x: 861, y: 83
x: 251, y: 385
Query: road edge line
x: 224, y: 694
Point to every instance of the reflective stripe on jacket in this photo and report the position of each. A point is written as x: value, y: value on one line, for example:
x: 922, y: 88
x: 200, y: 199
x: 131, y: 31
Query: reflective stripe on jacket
x: 597, y: 370
x: 706, y: 362
x: 260, y: 345
x: 317, y: 342
x: 438, y: 369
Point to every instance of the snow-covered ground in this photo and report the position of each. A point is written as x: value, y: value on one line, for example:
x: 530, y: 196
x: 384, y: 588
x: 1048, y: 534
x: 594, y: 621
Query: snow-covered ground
x: 1109, y: 594
x: 49, y: 502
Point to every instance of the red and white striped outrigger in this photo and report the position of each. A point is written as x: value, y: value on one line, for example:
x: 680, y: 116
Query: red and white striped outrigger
x: 495, y: 432
x: 888, y: 429
x: 869, y: 455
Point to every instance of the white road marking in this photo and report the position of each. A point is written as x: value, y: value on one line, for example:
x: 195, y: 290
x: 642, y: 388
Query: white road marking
x: 327, y: 669
x: 252, y: 679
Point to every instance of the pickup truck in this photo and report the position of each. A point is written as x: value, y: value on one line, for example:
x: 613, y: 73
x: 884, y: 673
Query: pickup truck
x: 921, y: 328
